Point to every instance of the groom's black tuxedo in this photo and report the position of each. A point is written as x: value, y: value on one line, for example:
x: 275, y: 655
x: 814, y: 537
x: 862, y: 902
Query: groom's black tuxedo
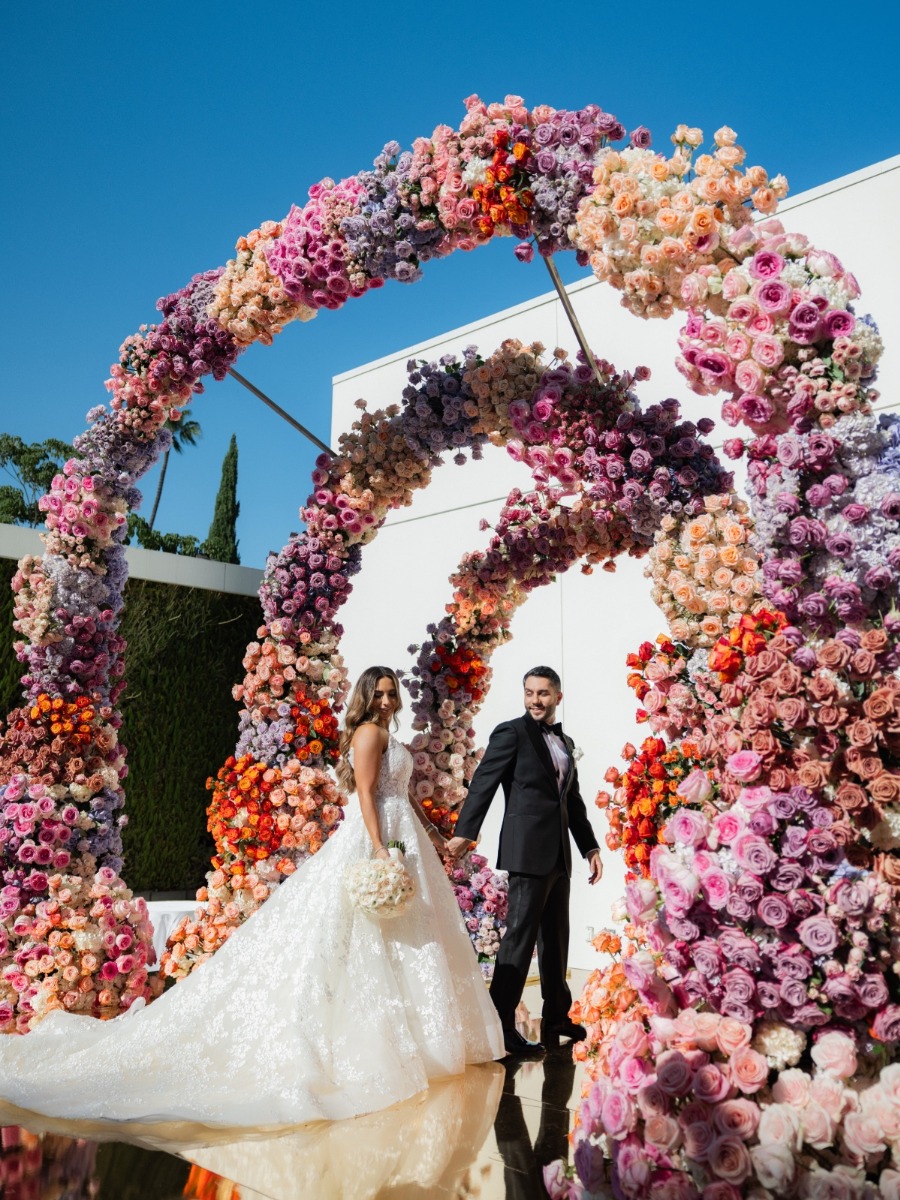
x: 540, y: 814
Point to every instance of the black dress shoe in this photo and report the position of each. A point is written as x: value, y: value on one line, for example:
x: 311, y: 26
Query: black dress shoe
x: 519, y: 1047
x: 553, y: 1034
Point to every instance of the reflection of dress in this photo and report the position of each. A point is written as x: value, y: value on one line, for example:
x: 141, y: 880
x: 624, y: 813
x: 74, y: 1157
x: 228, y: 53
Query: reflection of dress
x: 310, y: 1011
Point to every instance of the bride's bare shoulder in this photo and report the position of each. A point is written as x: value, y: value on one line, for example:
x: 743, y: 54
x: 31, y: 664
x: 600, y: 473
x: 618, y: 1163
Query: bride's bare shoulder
x: 369, y: 737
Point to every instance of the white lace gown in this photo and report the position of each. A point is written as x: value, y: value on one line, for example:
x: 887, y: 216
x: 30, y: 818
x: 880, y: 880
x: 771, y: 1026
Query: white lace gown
x: 312, y: 1010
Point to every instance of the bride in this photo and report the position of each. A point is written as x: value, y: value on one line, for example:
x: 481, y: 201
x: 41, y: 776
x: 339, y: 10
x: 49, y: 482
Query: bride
x: 311, y: 1010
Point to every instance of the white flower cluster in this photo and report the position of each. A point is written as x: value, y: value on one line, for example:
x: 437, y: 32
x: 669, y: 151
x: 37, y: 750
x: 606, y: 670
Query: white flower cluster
x: 886, y: 834
x: 382, y: 888
x: 781, y: 1045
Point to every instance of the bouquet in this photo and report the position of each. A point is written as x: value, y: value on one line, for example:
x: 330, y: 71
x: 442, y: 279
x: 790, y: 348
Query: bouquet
x: 382, y: 888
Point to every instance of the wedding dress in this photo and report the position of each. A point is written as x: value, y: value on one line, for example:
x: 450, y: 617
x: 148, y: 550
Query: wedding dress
x: 310, y: 1011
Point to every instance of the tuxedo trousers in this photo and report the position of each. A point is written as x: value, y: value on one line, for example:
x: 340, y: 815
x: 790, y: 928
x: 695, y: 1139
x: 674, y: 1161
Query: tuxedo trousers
x: 538, y: 914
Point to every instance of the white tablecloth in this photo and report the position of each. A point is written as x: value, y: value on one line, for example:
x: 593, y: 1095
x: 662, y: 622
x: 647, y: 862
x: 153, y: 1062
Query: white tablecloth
x: 165, y: 915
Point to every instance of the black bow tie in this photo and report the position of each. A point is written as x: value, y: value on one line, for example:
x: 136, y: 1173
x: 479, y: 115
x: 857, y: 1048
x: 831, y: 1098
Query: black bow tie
x: 547, y: 728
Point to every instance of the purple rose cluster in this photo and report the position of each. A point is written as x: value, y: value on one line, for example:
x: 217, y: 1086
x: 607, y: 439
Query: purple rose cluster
x: 562, y: 150
x: 764, y: 917
x: 827, y: 508
x: 388, y: 237
x: 315, y: 264
x: 636, y: 465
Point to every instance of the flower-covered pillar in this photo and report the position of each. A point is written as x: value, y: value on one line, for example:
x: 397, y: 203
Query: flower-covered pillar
x: 743, y: 1042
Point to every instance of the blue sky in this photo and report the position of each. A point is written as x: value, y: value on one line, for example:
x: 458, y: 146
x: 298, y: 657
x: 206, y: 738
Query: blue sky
x: 139, y: 143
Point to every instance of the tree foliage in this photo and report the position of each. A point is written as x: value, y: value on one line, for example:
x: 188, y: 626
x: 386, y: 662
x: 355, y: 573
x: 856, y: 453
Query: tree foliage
x: 221, y: 541
x: 32, y: 465
x: 184, y: 433
x: 140, y: 533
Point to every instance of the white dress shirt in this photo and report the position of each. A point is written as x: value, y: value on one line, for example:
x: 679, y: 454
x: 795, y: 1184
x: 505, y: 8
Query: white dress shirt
x: 558, y: 753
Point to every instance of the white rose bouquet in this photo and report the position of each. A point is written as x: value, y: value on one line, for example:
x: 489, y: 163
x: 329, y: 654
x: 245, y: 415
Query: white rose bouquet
x: 382, y: 888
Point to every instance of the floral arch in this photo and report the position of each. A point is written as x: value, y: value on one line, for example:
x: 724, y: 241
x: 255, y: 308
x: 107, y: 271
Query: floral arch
x: 757, y: 987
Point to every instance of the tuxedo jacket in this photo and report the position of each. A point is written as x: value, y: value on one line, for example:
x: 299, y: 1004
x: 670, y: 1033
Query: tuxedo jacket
x: 539, y: 813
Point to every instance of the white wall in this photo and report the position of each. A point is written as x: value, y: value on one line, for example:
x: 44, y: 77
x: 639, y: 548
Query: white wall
x: 585, y: 625
x: 16, y: 541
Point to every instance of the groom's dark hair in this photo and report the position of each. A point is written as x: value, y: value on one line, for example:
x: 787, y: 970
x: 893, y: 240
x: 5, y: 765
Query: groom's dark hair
x: 544, y: 673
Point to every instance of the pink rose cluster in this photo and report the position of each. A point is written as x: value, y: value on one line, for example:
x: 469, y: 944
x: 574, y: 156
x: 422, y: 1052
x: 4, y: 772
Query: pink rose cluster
x: 700, y: 1107
x: 787, y: 305
x: 482, y: 898
x: 311, y: 257
x: 85, y: 947
x: 83, y: 517
x: 763, y: 917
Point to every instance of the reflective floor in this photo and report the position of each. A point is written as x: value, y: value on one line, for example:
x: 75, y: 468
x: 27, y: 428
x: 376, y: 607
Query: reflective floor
x: 481, y: 1136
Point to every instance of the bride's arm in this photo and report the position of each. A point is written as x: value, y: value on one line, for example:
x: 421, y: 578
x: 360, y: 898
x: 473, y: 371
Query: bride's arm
x: 437, y: 839
x: 368, y: 748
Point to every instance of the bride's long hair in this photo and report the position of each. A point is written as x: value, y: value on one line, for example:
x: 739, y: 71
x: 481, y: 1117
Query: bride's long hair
x: 358, y: 713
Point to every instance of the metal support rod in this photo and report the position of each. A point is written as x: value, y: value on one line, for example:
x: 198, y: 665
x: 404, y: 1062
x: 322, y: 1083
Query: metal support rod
x: 278, y: 409
x: 573, y: 320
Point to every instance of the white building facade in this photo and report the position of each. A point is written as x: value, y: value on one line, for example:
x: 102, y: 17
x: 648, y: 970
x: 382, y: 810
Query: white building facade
x: 583, y: 625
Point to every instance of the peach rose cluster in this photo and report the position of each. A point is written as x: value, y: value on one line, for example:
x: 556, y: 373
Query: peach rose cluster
x: 705, y: 570
x: 664, y: 230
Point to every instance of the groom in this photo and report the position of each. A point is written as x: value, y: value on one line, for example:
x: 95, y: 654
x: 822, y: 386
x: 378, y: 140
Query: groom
x: 531, y: 758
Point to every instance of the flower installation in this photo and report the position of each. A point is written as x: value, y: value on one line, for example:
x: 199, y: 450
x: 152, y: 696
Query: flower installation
x: 743, y: 1040
x: 270, y: 807
x: 506, y: 170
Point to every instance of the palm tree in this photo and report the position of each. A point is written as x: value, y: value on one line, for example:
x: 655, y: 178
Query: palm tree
x: 184, y: 433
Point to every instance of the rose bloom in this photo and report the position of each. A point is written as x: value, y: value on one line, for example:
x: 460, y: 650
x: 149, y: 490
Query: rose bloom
x: 780, y: 1124
x: 698, y: 1137
x: 738, y: 1117
x: 696, y: 787
x: 819, y: 1126
x: 792, y: 1087
x: 835, y: 1054
x: 749, y: 1070
x: 732, y: 1035
x: 729, y: 1158
x: 862, y: 1135
x: 664, y: 1132
x: 711, y: 1084
x: 727, y: 826
x: 674, y: 1073
x: 775, y: 1167
x: 617, y: 1115
x: 744, y: 765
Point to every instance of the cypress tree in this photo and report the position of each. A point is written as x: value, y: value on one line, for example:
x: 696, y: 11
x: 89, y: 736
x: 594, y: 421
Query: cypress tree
x: 221, y: 541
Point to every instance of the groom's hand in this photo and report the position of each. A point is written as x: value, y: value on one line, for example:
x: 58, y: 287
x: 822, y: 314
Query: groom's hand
x: 457, y: 846
x: 596, y: 866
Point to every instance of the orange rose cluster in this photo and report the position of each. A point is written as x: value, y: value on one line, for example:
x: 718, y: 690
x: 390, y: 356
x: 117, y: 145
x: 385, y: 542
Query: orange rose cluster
x: 646, y: 795
x: 744, y: 641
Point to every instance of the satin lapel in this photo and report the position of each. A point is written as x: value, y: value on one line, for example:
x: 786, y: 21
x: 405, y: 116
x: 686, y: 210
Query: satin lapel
x: 540, y: 746
x: 570, y: 746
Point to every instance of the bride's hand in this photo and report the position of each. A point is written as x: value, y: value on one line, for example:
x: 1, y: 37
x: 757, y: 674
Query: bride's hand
x: 382, y: 852
x: 438, y: 840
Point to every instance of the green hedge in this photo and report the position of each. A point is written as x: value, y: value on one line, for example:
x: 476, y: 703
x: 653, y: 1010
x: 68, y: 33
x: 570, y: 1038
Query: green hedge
x: 10, y: 667
x: 185, y: 647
